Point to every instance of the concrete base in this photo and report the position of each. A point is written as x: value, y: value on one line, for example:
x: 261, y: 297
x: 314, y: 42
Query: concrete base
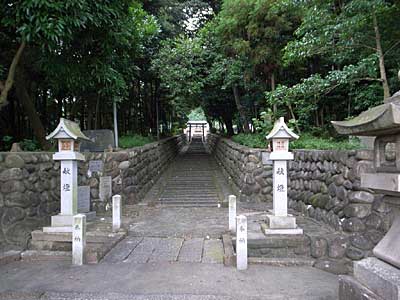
x: 268, y: 231
x: 63, y: 223
x: 61, y: 220
x: 57, y: 229
x: 379, y: 279
x: 281, y: 222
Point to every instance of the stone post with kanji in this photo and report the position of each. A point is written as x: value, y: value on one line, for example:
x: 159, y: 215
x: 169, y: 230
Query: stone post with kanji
x: 69, y: 136
x: 279, y: 222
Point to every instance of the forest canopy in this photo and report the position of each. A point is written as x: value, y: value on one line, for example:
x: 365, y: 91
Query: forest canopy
x: 243, y: 62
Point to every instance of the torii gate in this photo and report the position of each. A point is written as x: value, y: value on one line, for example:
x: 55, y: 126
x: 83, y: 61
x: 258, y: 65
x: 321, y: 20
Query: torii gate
x: 196, y: 124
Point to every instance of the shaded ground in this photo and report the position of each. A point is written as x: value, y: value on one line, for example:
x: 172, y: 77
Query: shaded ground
x: 258, y: 282
x: 170, y: 253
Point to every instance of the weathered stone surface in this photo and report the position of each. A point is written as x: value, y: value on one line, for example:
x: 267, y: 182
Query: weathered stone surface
x: 14, y: 161
x: 12, y: 186
x: 365, y: 155
x: 373, y: 221
x: 341, y: 193
x: 357, y: 210
x: 332, y: 266
x: 11, y: 174
x: 353, y: 225
x: 360, y: 241
x: 354, y: 253
x: 361, y: 197
x: 318, y: 246
x: 12, y: 215
x: 337, y: 247
x: 17, y: 199
x: 124, y: 165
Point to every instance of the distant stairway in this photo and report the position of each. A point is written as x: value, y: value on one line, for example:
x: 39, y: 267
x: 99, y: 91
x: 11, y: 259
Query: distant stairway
x: 191, y: 182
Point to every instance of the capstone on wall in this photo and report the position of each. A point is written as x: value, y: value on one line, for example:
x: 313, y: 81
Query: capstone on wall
x: 30, y: 183
x: 324, y: 185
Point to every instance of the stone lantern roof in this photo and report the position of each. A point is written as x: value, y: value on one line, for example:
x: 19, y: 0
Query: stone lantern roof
x: 383, y: 119
x: 281, y: 131
x: 67, y: 129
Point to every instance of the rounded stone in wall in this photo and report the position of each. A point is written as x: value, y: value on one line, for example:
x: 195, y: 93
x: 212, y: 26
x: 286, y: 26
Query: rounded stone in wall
x: 353, y: 225
x: 373, y: 221
x: 374, y: 235
x: 338, y: 246
x: 361, y: 197
x: 354, y: 253
x: 17, y: 199
x: 318, y: 246
x: 357, y: 210
x: 12, y: 215
x: 361, y: 241
x: 1, y: 200
x: 341, y: 193
x: 12, y: 186
x: 14, y: 161
x: 12, y: 174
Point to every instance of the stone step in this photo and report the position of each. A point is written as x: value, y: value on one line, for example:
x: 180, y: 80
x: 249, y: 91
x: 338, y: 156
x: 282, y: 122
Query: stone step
x: 192, y: 200
x: 282, y: 261
x: 189, y: 195
x: 277, y: 246
x: 188, y: 204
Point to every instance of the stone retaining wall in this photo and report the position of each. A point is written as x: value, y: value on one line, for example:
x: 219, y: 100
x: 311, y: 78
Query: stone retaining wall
x: 324, y: 185
x: 30, y: 183
x: 243, y: 168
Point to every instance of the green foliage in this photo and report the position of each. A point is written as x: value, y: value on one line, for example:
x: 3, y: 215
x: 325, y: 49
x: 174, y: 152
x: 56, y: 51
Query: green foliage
x: 29, y: 145
x: 130, y: 141
x: 306, y: 141
x: 252, y: 140
x: 6, y: 143
x: 264, y: 123
x: 197, y: 114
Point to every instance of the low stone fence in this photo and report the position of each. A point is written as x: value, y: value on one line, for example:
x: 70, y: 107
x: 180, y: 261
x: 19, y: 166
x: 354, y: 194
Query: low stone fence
x: 30, y: 183
x: 324, y: 185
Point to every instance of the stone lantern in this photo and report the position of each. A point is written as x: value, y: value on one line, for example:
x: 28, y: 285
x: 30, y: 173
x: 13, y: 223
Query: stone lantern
x: 380, y: 275
x: 280, y: 222
x: 69, y: 137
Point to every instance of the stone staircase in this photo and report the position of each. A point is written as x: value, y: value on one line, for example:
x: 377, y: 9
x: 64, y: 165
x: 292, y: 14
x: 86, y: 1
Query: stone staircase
x: 191, y: 181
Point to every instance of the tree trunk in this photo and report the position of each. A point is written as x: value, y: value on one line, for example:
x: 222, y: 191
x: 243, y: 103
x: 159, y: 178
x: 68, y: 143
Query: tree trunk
x: 241, y: 109
x: 228, y: 125
x: 293, y: 117
x: 30, y: 111
x: 275, y: 106
x: 5, y: 88
x: 385, y: 84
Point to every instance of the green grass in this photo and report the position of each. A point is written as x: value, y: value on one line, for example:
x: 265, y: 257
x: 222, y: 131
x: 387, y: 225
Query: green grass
x: 306, y: 141
x: 136, y: 140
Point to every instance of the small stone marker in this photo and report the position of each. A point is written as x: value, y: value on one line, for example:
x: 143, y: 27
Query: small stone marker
x: 79, y: 240
x: 95, y: 166
x: 241, y: 243
x: 83, y: 199
x: 105, y: 188
x: 265, y: 158
x: 232, y: 213
x: 116, y: 212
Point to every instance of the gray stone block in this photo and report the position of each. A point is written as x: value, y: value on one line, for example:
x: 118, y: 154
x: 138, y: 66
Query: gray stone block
x: 381, y: 278
x: 351, y: 289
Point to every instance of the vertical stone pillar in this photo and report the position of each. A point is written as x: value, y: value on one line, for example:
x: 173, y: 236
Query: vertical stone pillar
x: 232, y: 213
x: 69, y: 188
x: 78, y: 239
x: 116, y: 212
x: 280, y: 202
x: 241, y: 243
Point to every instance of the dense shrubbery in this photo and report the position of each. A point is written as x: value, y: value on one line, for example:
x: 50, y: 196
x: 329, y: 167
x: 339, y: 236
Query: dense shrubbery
x: 306, y: 141
x: 130, y: 141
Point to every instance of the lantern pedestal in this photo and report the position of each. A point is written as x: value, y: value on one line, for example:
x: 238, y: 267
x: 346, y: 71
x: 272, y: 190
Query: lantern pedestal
x: 69, y: 137
x: 279, y: 222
